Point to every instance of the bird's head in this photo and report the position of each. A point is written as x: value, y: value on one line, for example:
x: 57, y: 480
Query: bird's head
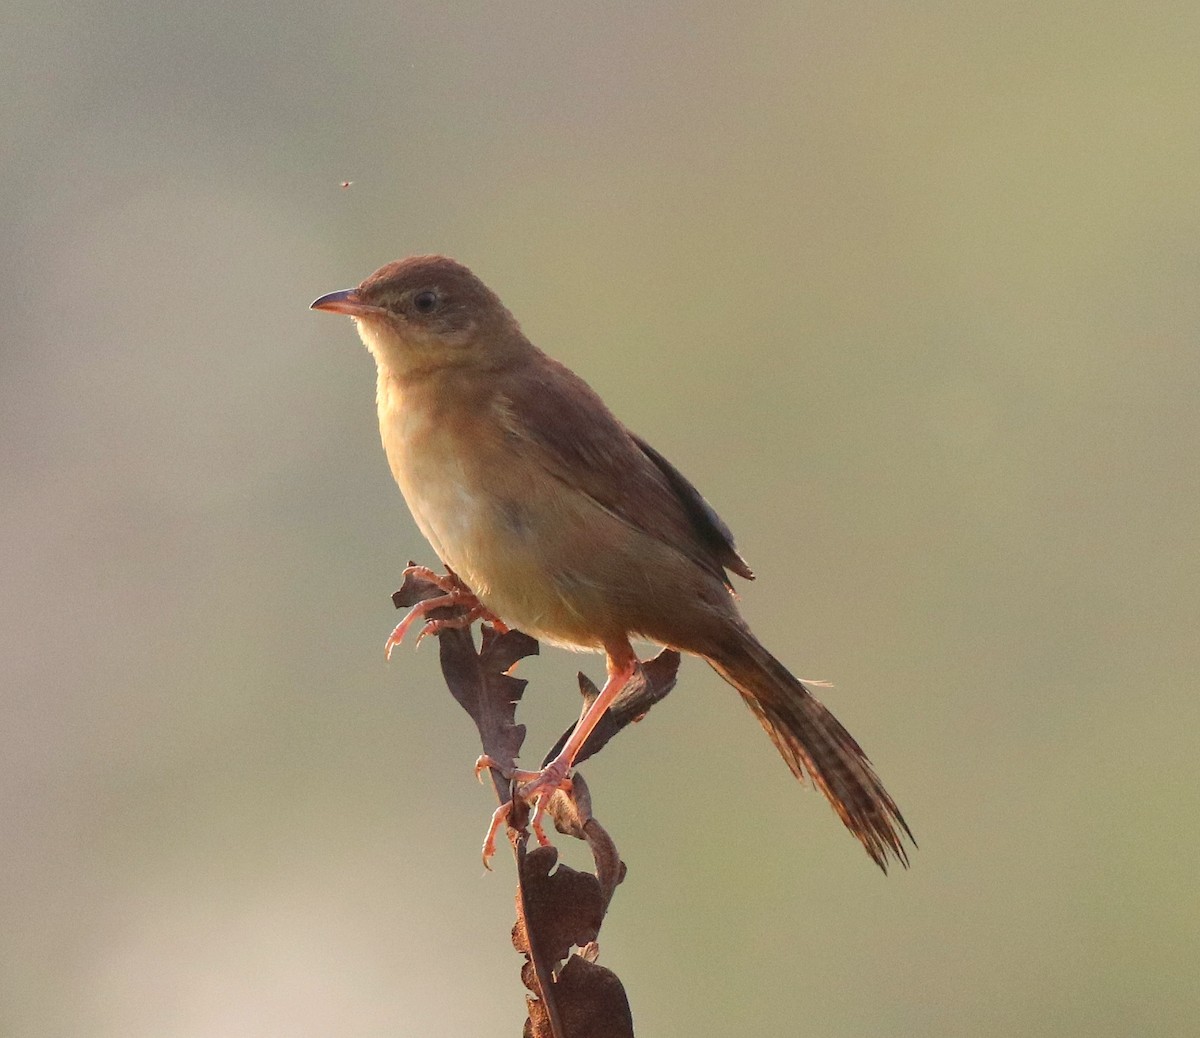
x: 424, y: 313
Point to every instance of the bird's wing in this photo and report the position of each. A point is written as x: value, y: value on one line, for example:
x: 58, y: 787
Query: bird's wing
x: 578, y: 441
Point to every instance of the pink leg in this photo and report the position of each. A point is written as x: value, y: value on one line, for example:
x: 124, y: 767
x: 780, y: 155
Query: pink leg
x: 538, y: 786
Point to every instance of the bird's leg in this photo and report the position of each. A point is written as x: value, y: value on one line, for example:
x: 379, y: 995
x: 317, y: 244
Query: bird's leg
x: 537, y: 787
x: 456, y: 594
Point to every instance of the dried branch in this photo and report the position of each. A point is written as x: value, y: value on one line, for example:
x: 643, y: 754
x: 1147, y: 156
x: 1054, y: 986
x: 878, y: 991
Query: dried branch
x: 558, y: 908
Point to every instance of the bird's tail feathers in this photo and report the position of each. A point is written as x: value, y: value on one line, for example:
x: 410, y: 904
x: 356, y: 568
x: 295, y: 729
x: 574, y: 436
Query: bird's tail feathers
x: 815, y: 745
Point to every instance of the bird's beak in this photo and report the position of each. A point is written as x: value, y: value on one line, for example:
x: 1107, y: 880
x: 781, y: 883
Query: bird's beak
x: 345, y: 302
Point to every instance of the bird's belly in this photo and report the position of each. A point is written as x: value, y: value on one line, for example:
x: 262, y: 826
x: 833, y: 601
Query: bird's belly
x: 503, y: 545
x: 507, y: 563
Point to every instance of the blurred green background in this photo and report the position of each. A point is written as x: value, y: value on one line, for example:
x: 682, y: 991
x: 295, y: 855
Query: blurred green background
x: 909, y: 290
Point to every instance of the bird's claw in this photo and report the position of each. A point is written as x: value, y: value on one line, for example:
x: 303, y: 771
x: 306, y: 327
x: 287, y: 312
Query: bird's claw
x: 456, y: 594
x: 531, y: 787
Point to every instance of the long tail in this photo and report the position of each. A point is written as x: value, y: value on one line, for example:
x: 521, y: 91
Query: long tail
x: 814, y: 744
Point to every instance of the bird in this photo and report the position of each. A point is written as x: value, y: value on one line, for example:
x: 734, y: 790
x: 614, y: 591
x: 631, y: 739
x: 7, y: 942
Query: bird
x: 554, y: 518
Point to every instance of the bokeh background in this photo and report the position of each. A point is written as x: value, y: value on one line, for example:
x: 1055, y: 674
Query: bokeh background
x: 910, y: 290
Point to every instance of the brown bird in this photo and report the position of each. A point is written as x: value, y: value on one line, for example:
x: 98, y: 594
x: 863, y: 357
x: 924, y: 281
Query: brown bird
x: 553, y: 517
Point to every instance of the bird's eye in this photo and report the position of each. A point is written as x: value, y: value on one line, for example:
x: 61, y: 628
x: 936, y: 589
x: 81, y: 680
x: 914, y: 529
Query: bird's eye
x: 425, y: 302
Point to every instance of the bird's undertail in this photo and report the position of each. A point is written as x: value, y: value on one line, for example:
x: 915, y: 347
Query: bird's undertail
x: 816, y: 746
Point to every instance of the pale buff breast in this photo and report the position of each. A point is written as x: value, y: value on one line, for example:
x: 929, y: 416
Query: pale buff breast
x: 494, y: 521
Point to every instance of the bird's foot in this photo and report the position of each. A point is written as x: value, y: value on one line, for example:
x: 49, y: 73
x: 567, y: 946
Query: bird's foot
x: 448, y: 581
x: 456, y: 594
x: 457, y: 623
x: 531, y: 787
